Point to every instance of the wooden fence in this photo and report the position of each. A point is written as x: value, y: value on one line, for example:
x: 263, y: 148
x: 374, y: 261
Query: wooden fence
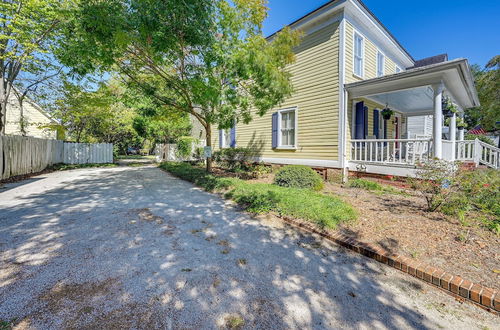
x: 23, y: 155
x: 88, y: 153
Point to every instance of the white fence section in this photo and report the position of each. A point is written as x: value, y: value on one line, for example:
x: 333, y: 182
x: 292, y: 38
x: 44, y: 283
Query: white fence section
x: 168, y: 152
x: 23, y: 155
x: 391, y: 151
x: 88, y: 153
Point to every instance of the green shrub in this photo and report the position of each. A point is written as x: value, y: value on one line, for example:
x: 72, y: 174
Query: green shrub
x: 478, y: 191
x: 435, y: 182
x: 325, y: 210
x: 481, y: 138
x: 298, y: 176
x: 234, y: 159
x: 185, y: 146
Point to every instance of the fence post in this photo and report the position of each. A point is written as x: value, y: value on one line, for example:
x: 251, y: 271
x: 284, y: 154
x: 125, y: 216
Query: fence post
x: 477, y: 152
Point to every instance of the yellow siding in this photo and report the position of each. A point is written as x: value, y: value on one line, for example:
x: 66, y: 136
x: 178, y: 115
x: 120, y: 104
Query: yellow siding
x: 316, y: 95
x: 391, y: 131
x: 370, y: 58
x: 32, y: 116
x: 370, y: 71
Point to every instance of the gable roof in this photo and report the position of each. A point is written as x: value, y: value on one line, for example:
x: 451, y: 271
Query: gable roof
x: 372, y: 15
x: 430, y: 60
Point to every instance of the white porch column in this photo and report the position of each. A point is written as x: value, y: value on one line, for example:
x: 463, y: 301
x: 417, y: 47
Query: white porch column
x: 438, y: 121
x: 461, y: 131
x: 453, y: 135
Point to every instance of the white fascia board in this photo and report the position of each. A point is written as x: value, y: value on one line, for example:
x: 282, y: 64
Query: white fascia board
x: 319, y: 19
x: 367, y: 25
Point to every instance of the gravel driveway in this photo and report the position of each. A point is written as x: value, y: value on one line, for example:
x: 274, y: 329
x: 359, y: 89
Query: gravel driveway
x: 133, y: 247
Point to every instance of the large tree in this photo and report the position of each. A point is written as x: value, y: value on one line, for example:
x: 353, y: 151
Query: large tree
x: 27, y: 31
x: 207, y: 58
x: 488, y: 88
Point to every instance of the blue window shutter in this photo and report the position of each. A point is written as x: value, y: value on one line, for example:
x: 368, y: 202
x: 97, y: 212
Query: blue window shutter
x: 359, y: 132
x: 366, y: 122
x: 275, y: 130
x: 233, y: 136
x: 220, y: 139
x: 375, y: 123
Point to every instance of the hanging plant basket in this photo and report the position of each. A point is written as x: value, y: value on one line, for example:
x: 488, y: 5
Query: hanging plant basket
x: 387, y: 113
x: 448, y: 108
x: 461, y: 128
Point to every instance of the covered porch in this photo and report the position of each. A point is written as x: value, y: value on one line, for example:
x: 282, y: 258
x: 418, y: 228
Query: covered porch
x: 379, y: 141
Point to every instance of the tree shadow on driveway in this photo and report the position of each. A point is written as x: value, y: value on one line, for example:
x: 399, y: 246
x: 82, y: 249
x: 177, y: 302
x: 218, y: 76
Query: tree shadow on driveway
x: 137, y: 248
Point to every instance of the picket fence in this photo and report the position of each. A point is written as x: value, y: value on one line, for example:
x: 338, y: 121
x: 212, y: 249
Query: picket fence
x: 23, y: 155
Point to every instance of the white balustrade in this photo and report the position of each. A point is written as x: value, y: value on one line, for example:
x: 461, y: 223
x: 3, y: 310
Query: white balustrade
x: 391, y: 151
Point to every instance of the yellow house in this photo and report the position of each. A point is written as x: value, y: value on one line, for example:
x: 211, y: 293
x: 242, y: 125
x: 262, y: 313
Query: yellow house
x: 33, y: 116
x: 348, y: 69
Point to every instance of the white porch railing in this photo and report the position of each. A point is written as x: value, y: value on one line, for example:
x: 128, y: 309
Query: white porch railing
x: 478, y: 152
x: 465, y: 150
x: 391, y: 151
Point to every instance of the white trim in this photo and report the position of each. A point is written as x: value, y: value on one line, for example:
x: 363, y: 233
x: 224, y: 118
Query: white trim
x: 223, y: 136
x: 294, y: 109
x: 366, y: 17
x: 396, y: 170
x: 342, y: 141
x: 297, y: 161
x: 380, y: 53
x: 355, y: 32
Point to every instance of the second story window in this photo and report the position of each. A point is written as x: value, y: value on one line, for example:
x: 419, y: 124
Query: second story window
x: 398, y: 69
x: 380, y: 64
x: 358, y: 55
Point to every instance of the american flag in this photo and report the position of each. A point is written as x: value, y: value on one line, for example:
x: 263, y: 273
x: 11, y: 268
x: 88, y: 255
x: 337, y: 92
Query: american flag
x: 478, y: 130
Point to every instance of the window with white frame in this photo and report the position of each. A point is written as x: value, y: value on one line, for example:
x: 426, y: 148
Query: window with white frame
x: 226, y: 138
x: 398, y: 69
x: 287, y: 128
x: 358, y: 54
x: 380, y: 64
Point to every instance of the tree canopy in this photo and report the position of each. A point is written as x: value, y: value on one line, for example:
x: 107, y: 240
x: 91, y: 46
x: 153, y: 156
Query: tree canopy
x: 28, y: 29
x: 202, y: 57
x: 488, y: 88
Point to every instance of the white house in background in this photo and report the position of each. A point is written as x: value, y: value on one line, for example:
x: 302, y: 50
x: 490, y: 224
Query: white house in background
x: 34, y: 117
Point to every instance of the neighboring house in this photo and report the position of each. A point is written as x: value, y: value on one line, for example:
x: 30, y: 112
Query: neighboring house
x: 348, y: 68
x: 34, y: 117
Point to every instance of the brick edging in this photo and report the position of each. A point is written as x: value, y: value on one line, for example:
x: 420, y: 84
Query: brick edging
x: 455, y: 285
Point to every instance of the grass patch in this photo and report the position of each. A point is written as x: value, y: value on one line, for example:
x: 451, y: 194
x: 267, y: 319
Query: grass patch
x: 325, y: 210
x: 372, y: 186
x: 235, y: 322
x: 65, y: 167
x: 5, y: 325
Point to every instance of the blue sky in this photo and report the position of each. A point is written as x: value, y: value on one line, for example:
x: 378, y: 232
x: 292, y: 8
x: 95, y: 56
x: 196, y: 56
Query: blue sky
x: 461, y: 28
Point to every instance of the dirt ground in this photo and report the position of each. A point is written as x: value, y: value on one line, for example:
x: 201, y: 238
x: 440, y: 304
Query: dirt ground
x: 135, y: 248
x: 400, y: 224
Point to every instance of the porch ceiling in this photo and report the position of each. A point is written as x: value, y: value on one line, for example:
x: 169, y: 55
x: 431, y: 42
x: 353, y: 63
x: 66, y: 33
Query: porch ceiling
x: 411, y: 92
x: 415, y: 101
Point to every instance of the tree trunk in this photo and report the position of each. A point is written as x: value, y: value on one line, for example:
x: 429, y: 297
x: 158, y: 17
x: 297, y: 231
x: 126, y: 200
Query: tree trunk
x: 2, y: 110
x: 209, y: 144
x: 22, y: 123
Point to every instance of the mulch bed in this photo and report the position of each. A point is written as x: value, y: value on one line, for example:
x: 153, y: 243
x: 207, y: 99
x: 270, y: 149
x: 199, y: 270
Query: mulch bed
x: 399, y: 224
